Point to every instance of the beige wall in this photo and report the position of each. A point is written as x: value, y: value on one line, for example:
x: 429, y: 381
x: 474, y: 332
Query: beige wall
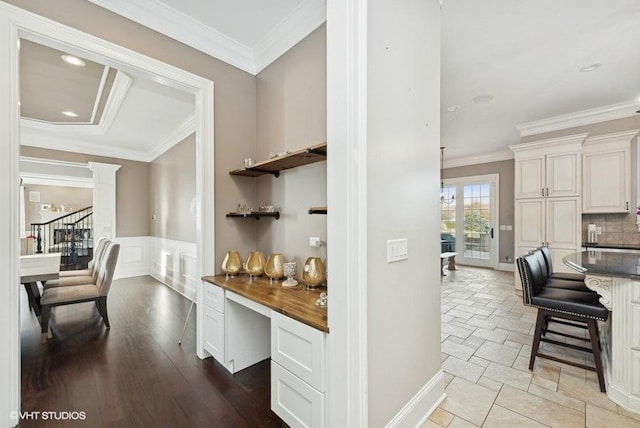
x: 172, y: 188
x: 291, y: 114
x: 132, y: 188
x: 235, y: 101
x: 403, y: 140
x: 72, y: 198
x: 505, y: 170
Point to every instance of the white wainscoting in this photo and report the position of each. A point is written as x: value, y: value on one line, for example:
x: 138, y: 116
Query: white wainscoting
x: 134, y: 257
x: 171, y: 262
x: 174, y: 263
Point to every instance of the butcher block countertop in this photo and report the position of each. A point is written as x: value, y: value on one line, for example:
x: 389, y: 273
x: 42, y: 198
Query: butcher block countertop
x: 296, y: 302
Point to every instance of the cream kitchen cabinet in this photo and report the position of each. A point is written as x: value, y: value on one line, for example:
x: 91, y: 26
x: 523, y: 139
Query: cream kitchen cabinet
x: 554, y: 222
x: 548, y: 206
x: 555, y: 174
x: 606, y: 173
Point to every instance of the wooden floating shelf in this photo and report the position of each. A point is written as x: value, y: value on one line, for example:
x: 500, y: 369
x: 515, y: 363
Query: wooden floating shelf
x: 256, y: 215
x: 318, y: 210
x: 313, y: 154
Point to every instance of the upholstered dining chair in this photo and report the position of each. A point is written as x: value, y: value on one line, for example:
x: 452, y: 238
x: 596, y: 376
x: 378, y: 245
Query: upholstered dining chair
x: 84, y: 276
x: 97, y: 253
x: 96, y: 291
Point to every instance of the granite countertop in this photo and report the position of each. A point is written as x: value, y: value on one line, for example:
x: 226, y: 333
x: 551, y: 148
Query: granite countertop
x: 620, y: 263
x: 617, y: 246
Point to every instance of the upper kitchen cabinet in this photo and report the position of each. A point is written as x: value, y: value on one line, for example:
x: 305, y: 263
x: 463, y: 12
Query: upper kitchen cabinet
x: 606, y: 173
x: 548, y: 168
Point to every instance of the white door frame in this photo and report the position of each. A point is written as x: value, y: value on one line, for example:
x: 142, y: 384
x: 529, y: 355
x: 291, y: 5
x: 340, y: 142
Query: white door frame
x: 495, y: 213
x: 16, y: 23
x: 347, y: 402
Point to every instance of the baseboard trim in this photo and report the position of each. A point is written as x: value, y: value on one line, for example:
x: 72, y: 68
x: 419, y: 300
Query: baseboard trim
x: 419, y: 408
x: 507, y: 267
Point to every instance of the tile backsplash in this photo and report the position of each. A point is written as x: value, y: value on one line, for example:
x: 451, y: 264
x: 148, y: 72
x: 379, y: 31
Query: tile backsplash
x: 616, y: 228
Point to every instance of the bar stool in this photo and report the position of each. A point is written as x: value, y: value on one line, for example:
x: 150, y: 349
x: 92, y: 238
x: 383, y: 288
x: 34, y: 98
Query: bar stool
x: 567, y: 281
x: 562, y: 306
x: 546, y: 254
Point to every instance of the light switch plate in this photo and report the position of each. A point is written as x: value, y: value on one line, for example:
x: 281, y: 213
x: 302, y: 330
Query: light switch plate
x: 397, y: 250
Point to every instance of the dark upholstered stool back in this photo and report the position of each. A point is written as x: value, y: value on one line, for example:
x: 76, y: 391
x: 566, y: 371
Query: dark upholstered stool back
x: 557, y: 301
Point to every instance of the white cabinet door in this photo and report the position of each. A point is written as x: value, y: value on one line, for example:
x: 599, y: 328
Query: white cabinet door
x: 607, y: 182
x: 214, y: 333
x: 300, y: 349
x: 295, y: 401
x: 563, y: 174
x: 563, y: 223
x: 529, y: 179
x: 529, y: 223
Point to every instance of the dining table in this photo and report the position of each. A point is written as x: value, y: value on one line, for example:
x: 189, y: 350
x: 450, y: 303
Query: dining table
x: 36, y: 268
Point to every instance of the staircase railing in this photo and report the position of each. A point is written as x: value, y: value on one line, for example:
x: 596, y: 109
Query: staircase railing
x: 71, y: 235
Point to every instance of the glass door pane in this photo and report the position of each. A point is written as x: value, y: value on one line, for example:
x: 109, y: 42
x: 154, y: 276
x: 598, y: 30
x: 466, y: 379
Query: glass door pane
x: 448, y: 219
x: 467, y: 215
x: 477, y: 221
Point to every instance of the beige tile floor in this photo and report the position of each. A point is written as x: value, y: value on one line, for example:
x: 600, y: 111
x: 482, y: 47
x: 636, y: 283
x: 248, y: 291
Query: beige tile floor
x: 486, y: 343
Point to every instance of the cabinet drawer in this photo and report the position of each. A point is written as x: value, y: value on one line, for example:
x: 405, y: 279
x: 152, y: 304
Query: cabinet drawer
x: 294, y: 401
x: 214, y: 333
x: 299, y: 348
x: 213, y: 297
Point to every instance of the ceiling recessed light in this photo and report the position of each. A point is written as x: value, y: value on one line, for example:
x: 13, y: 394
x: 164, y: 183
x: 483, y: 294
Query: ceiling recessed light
x: 480, y: 99
x: 73, y: 60
x: 70, y: 114
x: 590, y: 67
x: 453, y: 108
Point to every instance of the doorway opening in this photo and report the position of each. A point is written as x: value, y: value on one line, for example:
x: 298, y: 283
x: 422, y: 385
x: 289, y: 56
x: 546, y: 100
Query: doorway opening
x: 468, y: 219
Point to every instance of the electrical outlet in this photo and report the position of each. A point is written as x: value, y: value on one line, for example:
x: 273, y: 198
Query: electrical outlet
x: 315, y: 242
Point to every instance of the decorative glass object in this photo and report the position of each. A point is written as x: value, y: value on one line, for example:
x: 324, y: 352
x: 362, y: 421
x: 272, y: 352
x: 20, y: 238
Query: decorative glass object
x: 232, y: 264
x: 274, y: 268
x: 255, y: 264
x: 290, y: 272
x: 313, y: 272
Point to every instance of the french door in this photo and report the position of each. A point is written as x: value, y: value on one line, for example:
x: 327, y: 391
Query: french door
x: 469, y: 219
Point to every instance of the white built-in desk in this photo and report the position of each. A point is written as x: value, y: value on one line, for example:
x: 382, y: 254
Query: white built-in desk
x: 248, y: 321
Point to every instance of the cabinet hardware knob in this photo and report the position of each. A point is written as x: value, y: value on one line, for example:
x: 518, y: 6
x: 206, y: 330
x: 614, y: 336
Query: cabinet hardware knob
x: 542, y: 191
x: 627, y: 205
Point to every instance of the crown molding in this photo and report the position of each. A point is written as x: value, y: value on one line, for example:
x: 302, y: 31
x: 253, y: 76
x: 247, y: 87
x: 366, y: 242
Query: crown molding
x: 66, y: 144
x: 181, y: 132
x: 55, y: 180
x: 121, y: 85
x: 478, y: 159
x: 561, y: 143
x: 32, y: 125
x: 118, y: 93
x: 157, y: 16
x: 579, y: 118
x: 175, y: 24
x: 53, y: 162
x: 96, y: 104
x: 303, y: 20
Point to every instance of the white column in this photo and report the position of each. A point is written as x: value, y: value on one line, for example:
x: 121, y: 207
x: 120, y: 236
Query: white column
x: 104, y: 199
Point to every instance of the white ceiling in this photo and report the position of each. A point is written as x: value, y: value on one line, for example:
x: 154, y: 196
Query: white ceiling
x: 525, y: 53
x: 528, y: 54
x: 141, y: 118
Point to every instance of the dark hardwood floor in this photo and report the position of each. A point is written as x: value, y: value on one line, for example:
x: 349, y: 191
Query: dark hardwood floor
x: 134, y: 374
